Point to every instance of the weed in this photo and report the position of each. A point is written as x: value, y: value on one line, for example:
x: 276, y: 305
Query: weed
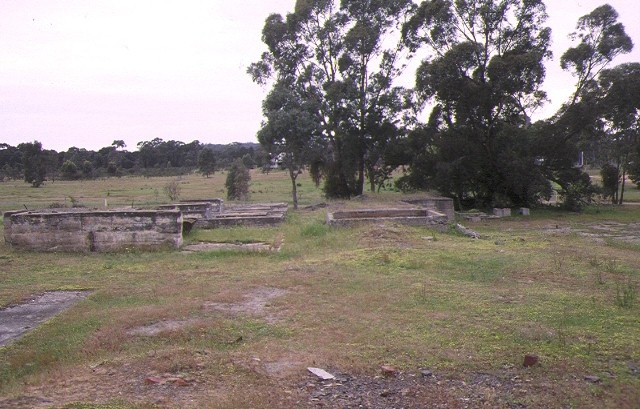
x: 75, y: 202
x: 385, y: 258
x: 625, y: 294
x: 558, y: 260
x: 422, y: 295
x: 315, y: 230
x: 611, y: 265
x: 455, y: 305
x: 172, y: 189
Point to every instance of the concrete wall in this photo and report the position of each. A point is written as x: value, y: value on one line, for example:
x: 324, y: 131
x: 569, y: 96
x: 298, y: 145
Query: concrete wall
x: 195, y: 210
x: 86, y: 231
x: 258, y: 214
x: 441, y: 204
x: 414, y: 217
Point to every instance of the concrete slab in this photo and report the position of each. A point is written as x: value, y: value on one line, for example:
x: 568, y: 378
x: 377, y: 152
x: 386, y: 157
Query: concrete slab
x: 17, y: 320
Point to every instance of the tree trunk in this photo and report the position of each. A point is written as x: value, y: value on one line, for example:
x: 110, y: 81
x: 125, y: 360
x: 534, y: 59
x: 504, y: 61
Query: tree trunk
x: 360, y: 188
x: 294, y: 175
x: 624, y: 176
x: 372, y: 178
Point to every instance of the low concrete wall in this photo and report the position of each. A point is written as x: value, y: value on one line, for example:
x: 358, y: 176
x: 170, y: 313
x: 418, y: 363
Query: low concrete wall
x: 414, y: 217
x: 441, y: 204
x: 194, y: 210
x: 261, y: 214
x: 87, y: 231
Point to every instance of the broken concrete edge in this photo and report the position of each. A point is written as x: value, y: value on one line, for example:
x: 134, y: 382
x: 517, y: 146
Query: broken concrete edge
x: 321, y: 373
x: 441, y: 204
x: 258, y: 247
x: 467, y: 232
x: 498, y: 213
x: 19, y: 318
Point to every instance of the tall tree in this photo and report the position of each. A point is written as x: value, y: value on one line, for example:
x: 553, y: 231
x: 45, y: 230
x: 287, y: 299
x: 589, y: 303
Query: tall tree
x: 620, y: 116
x: 601, y: 39
x: 578, y: 123
x: 340, y: 55
x: 10, y: 162
x: 118, y: 144
x: 483, y: 72
x: 291, y: 132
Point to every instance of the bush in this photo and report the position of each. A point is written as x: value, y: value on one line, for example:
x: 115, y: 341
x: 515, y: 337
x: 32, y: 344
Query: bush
x: 610, y: 182
x: 172, y: 190
x: 69, y: 170
x: 237, y: 182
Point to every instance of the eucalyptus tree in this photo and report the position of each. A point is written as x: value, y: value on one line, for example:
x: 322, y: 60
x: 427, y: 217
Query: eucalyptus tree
x: 372, y: 58
x: 344, y: 55
x: 579, y: 123
x: 619, y: 108
x: 601, y: 38
x: 291, y: 132
x: 482, y: 72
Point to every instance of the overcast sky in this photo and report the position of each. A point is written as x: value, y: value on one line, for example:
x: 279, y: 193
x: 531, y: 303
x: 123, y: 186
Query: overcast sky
x: 87, y: 72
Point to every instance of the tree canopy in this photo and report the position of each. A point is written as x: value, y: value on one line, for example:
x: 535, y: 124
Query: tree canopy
x: 483, y: 63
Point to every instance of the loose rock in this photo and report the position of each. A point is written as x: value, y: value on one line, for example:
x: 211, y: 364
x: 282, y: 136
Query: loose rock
x: 530, y: 360
x: 388, y: 370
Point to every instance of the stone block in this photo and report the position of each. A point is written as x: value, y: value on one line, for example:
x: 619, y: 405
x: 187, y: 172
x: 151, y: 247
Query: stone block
x: 502, y: 212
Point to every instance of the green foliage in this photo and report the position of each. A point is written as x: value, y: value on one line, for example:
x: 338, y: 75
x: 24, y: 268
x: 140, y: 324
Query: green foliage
x: 576, y: 196
x: 206, y: 162
x: 477, y: 147
x: 87, y: 169
x: 237, y: 182
x: 315, y: 230
x: 69, y: 170
x: 610, y: 176
x: 625, y: 294
x: 33, y: 163
x: 601, y: 38
x: 342, y: 57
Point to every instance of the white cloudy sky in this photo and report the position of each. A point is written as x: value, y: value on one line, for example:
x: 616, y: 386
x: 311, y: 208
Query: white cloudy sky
x: 86, y: 72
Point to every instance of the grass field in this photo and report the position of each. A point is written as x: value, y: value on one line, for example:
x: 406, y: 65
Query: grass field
x: 238, y: 329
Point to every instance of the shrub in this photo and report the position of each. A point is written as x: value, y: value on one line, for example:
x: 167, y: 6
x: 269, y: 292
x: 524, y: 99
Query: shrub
x: 610, y: 182
x: 172, y: 190
x: 237, y: 182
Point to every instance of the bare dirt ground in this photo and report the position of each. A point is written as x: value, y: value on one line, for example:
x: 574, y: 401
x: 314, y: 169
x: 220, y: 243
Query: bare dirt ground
x: 142, y: 382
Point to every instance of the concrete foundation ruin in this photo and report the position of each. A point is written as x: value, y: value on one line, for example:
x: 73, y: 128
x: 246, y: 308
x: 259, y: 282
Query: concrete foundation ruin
x: 262, y: 214
x: 82, y: 230
x: 429, y: 211
x: 86, y: 230
x: 442, y: 205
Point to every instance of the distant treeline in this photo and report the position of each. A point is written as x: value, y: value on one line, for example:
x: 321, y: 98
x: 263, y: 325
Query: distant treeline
x: 29, y: 161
